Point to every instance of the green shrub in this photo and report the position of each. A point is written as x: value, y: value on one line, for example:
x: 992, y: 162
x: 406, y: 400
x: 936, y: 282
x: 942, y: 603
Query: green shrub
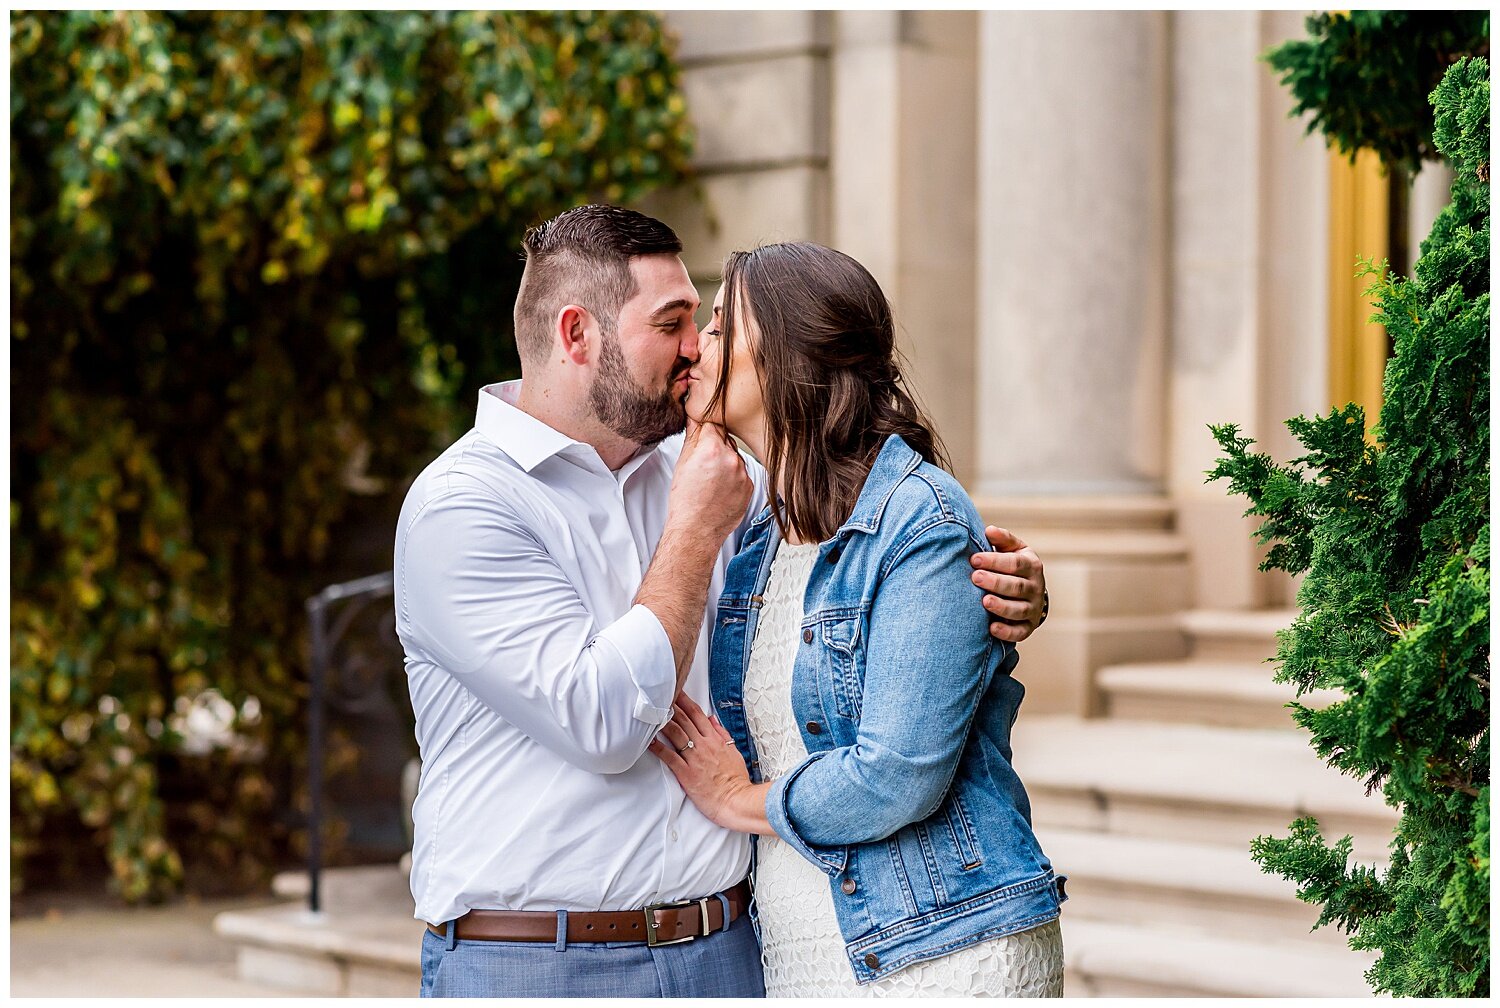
x: 1365, y: 75
x: 260, y: 262
x: 1395, y: 542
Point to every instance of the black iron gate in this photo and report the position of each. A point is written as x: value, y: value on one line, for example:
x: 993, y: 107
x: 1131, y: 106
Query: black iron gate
x: 355, y: 660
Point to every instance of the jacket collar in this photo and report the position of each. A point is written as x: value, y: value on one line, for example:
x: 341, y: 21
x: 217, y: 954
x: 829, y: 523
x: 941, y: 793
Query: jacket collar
x: 895, y: 462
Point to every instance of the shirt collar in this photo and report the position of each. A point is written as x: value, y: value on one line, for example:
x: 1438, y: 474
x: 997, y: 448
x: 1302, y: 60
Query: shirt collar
x: 519, y: 434
x: 529, y: 442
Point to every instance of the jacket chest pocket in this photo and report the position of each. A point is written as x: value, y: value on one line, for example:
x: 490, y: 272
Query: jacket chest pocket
x: 962, y: 830
x: 843, y: 662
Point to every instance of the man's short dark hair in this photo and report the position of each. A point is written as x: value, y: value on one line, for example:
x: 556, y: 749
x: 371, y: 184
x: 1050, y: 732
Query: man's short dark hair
x: 582, y: 256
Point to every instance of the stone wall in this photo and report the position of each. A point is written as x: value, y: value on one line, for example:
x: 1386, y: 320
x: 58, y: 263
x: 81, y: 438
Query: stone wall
x: 757, y: 88
x: 1100, y: 232
x: 854, y: 129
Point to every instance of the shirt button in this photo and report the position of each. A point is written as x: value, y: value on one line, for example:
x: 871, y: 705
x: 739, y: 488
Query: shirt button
x: 872, y: 960
x: 813, y: 728
x: 848, y: 886
x: 806, y: 637
x: 673, y: 834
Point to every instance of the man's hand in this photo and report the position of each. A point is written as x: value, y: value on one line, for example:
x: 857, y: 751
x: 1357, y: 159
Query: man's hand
x: 710, y: 488
x: 1015, y: 587
x: 710, y: 491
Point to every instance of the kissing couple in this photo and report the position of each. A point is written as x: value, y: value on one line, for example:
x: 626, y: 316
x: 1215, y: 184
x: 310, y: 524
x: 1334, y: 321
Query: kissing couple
x: 654, y: 671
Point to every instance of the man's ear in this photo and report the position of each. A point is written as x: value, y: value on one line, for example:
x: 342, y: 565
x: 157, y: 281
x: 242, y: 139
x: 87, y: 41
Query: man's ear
x: 576, y: 332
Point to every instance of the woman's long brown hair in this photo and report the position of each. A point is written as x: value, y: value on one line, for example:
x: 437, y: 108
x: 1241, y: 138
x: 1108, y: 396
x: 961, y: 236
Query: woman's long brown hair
x: 830, y: 379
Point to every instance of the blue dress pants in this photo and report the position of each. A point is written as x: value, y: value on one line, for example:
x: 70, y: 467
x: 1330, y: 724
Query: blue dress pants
x: 724, y: 964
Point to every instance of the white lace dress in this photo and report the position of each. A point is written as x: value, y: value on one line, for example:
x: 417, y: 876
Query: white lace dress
x: 801, y: 947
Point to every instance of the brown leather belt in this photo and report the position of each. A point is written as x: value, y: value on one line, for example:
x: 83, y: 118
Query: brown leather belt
x: 658, y: 924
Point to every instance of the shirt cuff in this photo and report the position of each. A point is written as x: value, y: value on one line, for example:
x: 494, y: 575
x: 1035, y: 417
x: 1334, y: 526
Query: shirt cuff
x: 642, y: 644
x: 830, y: 860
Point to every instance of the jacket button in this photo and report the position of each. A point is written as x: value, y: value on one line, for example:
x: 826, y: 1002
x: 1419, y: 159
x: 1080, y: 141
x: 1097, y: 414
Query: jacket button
x: 813, y: 728
x: 806, y: 637
x: 872, y: 960
x: 848, y: 886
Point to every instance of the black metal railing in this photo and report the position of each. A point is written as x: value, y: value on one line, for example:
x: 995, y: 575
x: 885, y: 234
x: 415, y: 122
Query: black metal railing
x: 355, y: 684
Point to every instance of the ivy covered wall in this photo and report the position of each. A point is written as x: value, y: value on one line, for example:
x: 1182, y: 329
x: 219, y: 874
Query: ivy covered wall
x: 259, y: 264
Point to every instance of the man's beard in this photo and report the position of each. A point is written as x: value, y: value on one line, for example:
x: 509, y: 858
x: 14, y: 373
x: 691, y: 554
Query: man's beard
x: 625, y: 409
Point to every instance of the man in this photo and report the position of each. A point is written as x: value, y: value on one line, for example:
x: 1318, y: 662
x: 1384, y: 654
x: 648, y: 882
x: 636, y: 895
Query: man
x: 553, y: 569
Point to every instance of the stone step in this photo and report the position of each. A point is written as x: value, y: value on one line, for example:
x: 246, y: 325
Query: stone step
x: 1195, y: 691
x: 1086, y: 513
x: 364, y: 943
x: 1151, y: 882
x: 1188, y: 782
x: 1234, y: 634
x: 1126, y: 960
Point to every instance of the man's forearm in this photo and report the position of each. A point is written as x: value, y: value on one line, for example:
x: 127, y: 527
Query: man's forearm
x: 676, y: 589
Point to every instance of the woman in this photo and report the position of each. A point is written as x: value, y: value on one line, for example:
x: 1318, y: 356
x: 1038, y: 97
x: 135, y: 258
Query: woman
x: 853, y: 672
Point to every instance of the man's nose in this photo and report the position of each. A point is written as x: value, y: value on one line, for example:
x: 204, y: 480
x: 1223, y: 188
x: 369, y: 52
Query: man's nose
x: 689, y: 346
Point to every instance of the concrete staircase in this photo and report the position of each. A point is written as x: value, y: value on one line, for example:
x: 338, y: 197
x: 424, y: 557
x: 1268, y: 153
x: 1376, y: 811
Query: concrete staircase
x: 1150, y: 811
x: 1225, y: 680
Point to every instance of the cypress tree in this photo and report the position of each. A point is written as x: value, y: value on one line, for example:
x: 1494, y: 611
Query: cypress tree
x: 1394, y: 539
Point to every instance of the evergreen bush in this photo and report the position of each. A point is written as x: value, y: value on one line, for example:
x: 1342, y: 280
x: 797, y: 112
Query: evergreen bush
x: 259, y: 264
x: 1394, y: 538
x: 1363, y: 76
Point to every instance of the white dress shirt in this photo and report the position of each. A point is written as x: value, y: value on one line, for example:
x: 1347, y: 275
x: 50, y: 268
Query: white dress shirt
x: 536, y: 682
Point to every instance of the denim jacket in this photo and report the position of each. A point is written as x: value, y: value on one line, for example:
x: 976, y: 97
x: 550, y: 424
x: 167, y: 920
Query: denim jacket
x: 907, y: 800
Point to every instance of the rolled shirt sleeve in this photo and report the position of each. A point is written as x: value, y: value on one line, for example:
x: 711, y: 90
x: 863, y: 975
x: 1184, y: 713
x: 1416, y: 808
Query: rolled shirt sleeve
x: 642, y: 646
x: 483, y: 599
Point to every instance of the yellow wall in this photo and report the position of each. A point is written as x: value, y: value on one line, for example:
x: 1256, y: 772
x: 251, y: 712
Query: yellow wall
x: 1359, y: 227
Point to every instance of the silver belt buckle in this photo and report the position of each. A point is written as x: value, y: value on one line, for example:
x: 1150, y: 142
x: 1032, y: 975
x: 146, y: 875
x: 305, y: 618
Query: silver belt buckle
x: 651, y: 925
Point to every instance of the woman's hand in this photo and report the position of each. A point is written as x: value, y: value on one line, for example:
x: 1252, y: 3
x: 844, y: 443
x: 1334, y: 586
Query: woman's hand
x: 703, y: 758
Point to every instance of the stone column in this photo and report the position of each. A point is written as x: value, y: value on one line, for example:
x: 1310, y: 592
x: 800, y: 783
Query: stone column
x: 1249, y: 233
x: 1216, y: 337
x: 903, y: 156
x: 1072, y: 251
x: 1293, y: 272
x: 1431, y: 191
x: 1072, y: 319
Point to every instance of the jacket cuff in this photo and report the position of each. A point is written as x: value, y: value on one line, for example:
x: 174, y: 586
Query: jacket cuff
x: 830, y: 860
